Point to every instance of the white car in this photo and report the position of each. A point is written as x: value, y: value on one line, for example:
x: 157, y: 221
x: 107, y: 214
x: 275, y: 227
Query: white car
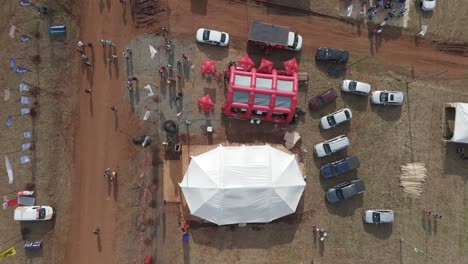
x: 336, y: 118
x: 294, y: 41
x: 212, y: 37
x: 33, y: 213
x: 427, y: 5
x: 387, y: 98
x: 378, y: 216
x: 331, y: 146
x: 355, y: 87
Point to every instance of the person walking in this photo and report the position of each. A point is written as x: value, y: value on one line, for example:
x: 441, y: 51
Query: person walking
x: 81, y: 45
x: 123, y: 2
x: 84, y: 57
x: 89, y: 91
x: 90, y: 44
x: 114, y: 109
x: 97, y: 231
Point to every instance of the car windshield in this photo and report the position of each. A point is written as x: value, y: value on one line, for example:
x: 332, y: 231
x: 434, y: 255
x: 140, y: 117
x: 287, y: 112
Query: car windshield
x: 206, y: 35
x: 376, y: 217
x: 352, y: 86
x: 334, y: 169
x: 327, y: 148
x: 296, y: 39
x: 320, y: 100
x: 41, y: 213
x: 223, y: 37
x: 331, y: 120
x: 339, y: 194
x: 348, y: 116
x: 383, y: 97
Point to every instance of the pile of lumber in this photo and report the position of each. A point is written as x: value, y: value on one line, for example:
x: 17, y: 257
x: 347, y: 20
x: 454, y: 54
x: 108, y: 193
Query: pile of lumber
x: 412, y: 177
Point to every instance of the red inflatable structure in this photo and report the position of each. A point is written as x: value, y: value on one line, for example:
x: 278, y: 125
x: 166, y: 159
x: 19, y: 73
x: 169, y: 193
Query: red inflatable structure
x: 205, y: 103
x: 268, y: 97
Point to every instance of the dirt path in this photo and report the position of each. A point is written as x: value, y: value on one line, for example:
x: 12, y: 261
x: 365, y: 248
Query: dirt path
x: 100, y: 142
x: 393, y: 48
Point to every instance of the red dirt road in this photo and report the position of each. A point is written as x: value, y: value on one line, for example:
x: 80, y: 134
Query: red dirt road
x: 99, y: 142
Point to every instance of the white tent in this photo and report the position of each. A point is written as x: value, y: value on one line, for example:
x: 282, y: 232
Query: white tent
x: 247, y: 184
x: 460, y: 131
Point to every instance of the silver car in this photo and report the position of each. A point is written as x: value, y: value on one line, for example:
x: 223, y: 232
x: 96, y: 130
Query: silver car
x: 336, y: 118
x: 331, y: 146
x: 378, y: 216
x: 387, y: 98
x: 355, y: 87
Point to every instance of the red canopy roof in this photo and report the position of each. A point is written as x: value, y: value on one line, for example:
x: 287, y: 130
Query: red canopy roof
x: 291, y: 66
x: 205, y: 103
x: 208, y: 66
x: 246, y: 63
x: 265, y: 66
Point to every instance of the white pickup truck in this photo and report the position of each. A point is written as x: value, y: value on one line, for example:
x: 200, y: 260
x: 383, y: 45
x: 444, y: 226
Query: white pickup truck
x: 268, y: 35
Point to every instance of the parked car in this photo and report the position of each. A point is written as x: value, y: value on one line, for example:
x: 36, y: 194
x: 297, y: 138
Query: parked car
x: 212, y: 37
x: 355, y: 87
x: 336, y: 118
x: 332, y: 54
x: 331, y: 146
x: 274, y: 36
x: 378, y: 216
x: 33, y: 213
x: 387, y: 98
x: 320, y: 100
x: 336, y: 168
x: 427, y: 5
x: 345, y: 191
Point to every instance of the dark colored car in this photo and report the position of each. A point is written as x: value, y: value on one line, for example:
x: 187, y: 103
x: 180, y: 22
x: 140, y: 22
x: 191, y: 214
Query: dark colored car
x: 336, y: 168
x: 332, y: 54
x: 320, y: 100
x: 345, y: 191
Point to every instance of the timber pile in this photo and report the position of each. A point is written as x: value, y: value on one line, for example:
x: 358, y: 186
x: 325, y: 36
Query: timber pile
x: 412, y: 177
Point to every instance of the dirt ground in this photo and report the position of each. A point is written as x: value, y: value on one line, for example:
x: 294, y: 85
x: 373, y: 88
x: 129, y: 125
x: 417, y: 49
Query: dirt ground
x: 78, y: 136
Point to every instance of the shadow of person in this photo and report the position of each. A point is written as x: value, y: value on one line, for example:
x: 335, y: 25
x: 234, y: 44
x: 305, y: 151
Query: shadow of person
x: 99, y: 244
x: 116, y: 120
x: 186, y: 252
x: 321, y: 247
x: 115, y: 189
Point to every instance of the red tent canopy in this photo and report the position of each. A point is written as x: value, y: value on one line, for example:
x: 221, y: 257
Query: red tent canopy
x: 266, y: 66
x: 291, y: 66
x: 246, y: 63
x: 208, y: 66
x: 205, y: 103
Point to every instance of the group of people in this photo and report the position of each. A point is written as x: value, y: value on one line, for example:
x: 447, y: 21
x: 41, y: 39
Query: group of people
x: 81, y: 49
x: 322, y: 232
x: 436, y: 216
x: 383, y: 6
x: 110, y: 175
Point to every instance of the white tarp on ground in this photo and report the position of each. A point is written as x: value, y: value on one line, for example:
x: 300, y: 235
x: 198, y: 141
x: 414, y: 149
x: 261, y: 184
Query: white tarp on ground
x: 460, y: 131
x: 247, y: 184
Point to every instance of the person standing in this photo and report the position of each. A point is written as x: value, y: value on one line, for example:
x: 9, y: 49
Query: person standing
x: 97, y: 231
x: 89, y: 91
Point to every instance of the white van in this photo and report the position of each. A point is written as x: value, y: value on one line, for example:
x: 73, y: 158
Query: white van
x: 34, y: 213
x: 331, y: 146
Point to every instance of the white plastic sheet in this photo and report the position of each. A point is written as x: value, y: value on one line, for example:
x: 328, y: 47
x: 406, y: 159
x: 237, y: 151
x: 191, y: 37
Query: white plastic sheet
x: 25, y: 111
x: 9, y: 170
x: 24, y: 159
x: 153, y: 51
x: 26, y: 146
x: 24, y: 99
x: 23, y: 87
x: 27, y: 134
